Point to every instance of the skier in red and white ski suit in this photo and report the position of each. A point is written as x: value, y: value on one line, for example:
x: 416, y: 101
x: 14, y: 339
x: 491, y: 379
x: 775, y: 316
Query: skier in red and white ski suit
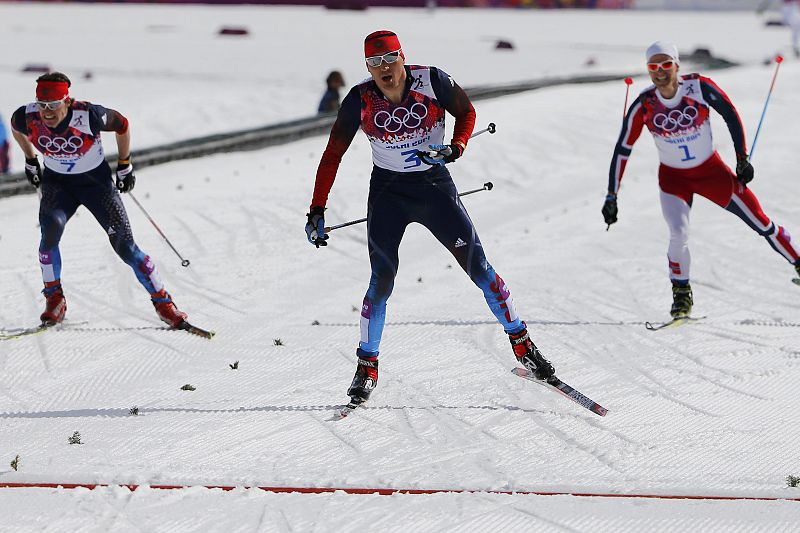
x: 676, y: 109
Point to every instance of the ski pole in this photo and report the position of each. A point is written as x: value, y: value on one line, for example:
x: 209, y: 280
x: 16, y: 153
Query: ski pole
x: 778, y: 61
x: 486, y: 187
x: 184, y: 262
x: 628, y: 82
x: 491, y: 128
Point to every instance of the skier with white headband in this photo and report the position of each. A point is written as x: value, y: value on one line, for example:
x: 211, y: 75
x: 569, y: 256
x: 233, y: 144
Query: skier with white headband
x: 676, y: 109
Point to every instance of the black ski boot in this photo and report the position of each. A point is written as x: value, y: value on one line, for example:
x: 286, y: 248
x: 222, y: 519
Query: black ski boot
x: 529, y: 356
x: 364, y: 381
x: 681, y: 299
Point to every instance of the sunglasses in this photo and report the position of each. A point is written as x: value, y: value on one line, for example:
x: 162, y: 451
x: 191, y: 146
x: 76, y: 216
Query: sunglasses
x: 664, y: 65
x: 52, y: 105
x: 390, y: 57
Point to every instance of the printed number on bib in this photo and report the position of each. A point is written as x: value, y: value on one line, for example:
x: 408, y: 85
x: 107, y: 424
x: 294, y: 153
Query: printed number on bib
x: 412, y: 158
x: 687, y: 156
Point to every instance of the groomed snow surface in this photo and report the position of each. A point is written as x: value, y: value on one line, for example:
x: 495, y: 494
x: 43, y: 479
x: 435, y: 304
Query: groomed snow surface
x: 703, y: 410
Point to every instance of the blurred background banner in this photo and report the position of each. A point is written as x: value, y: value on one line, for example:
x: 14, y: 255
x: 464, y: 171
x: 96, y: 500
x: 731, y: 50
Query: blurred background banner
x: 364, y: 4
x: 704, y: 5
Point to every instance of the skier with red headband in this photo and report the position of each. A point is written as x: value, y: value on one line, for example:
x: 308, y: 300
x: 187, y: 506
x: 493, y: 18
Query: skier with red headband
x: 401, y: 108
x: 676, y: 109
x: 67, y: 134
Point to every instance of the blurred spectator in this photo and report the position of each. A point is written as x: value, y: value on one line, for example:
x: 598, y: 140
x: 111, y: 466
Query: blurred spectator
x: 4, y: 163
x: 330, y: 100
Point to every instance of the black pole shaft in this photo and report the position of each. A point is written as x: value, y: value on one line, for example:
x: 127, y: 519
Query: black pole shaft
x: 184, y: 262
x: 486, y: 187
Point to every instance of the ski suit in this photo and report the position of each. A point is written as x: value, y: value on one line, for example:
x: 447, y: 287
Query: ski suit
x: 404, y: 189
x: 76, y: 173
x: 690, y: 165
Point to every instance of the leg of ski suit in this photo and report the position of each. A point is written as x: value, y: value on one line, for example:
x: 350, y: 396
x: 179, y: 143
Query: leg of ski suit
x: 715, y: 181
x: 429, y: 198
x: 61, y: 196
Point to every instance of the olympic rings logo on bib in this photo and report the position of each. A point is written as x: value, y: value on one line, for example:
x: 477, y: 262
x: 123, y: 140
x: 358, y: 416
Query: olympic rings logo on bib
x: 394, y: 121
x: 60, y: 144
x: 677, y: 118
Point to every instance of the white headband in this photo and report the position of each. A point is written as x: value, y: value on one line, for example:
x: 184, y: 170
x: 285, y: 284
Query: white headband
x: 662, y: 47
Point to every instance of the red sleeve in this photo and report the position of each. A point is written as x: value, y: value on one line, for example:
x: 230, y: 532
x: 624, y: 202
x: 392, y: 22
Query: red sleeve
x: 342, y: 133
x: 465, y: 122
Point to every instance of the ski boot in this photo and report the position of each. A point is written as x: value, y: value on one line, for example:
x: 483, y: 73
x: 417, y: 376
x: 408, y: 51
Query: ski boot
x: 364, y: 381
x: 166, y: 309
x: 681, y: 299
x: 529, y: 356
x: 56, y: 306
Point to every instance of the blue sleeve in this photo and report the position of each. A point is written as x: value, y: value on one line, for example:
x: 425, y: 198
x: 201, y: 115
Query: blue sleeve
x: 447, y: 91
x: 723, y: 105
x: 97, y: 121
x: 18, y: 121
x: 348, y: 120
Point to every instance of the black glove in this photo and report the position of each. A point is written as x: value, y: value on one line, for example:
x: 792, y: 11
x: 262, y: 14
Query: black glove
x: 440, y: 154
x: 610, y: 209
x: 33, y: 171
x: 315, y: 227
x: 744, y: 170
x: 126, y: 179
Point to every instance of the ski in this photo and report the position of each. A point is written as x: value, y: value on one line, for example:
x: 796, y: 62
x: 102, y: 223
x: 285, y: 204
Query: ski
x: 345, y: 411
x: 674, y: 323
x: 194, y: 330
x: 562, y: 388
x: 41, y: 328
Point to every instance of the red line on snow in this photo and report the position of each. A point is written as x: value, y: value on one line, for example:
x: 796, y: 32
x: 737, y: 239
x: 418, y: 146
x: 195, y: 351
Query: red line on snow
x: 389, y: 491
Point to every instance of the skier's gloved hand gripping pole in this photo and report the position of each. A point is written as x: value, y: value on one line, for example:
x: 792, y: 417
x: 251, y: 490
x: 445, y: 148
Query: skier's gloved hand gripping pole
x: 184, y: 262
x: 610, y: 209
x: 315, y: 226
x: 744, y: 170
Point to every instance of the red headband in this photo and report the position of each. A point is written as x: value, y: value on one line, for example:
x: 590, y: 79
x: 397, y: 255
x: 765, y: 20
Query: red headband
x: 48, y: 91
x: 380, y: 42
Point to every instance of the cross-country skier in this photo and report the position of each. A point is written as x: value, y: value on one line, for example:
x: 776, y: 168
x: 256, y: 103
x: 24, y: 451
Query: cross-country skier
x: 676, y: 109
x: 401, y: 109
x: 75, y: 173
x: 791, y: 17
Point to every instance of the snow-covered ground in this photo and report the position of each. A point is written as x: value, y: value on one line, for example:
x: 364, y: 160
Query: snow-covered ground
x: 707, y: 409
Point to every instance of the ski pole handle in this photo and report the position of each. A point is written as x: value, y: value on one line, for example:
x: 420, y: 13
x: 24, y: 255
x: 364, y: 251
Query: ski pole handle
x: 628, y: 82
x: 184, y: 262
x: 486, y: 187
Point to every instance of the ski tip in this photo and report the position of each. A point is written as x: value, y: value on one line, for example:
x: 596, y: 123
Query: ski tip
x: 344, y: 412
x: 194, y: 330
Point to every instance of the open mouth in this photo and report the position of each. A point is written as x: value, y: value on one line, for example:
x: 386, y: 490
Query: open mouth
x: 387, y: 78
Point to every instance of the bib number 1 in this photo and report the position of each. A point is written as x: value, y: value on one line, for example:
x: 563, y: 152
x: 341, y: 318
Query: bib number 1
x: 687, y: 156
